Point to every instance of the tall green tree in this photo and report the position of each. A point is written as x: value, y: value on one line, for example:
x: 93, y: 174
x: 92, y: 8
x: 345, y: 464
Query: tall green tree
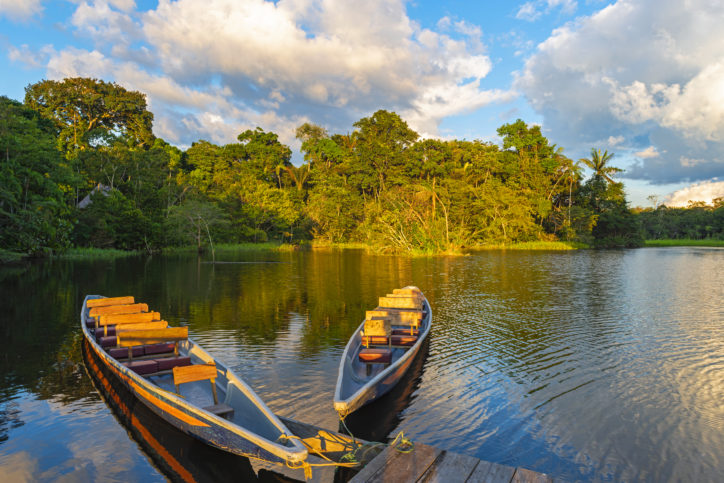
x: 35, y: 183
x: 598, y: 162
x: 91, y: 112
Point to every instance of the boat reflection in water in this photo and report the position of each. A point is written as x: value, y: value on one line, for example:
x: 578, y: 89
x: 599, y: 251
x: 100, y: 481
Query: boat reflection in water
x: 376, y: 420
x: 177, y: 455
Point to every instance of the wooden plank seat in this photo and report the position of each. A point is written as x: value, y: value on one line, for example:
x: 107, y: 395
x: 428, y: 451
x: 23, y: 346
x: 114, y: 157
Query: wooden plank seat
x: 375, y: 356
x: 112, y: 330
x: 132, y: 338
x: 406, y: 340
x: 95, y: 313
x: 104, y: 302
x: 400, y: 302
x: 405, y: 331
x: 152, y: 367
x: 201, y: 372
x: 114, y: 319
x: 398, y: 316
x: 152, y: 351
x: 117, y: 309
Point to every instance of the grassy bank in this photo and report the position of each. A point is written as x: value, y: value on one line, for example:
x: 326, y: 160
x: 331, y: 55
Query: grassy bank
x: 684, y: 243
x: 111, y: 253
x: 10, y: 257
x: 535, y: 245
x: 95, y: 253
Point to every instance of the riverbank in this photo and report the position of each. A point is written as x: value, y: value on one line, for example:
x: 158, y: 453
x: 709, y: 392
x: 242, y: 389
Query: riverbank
x: 7, y: 257
x: 684, y: 243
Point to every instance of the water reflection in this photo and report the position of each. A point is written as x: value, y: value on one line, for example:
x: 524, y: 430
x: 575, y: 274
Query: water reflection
x: 375, y: 421
x: 603, y: 365
x: 177, y: 455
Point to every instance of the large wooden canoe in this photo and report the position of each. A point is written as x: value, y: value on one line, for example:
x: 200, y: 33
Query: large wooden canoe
x: 182, y: 383
x: 382, y: 348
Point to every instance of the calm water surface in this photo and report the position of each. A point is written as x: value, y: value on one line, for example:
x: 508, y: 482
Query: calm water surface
x: 588, y: 366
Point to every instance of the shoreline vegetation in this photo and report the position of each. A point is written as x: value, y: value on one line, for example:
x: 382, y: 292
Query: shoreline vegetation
x: 8, y: 257
x: 685, y: 242
x: 82, y: 168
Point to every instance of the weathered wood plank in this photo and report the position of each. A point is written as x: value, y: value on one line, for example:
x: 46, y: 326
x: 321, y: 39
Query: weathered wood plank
x: 523, y: 475
x: 197, y: 372
x: 118, y: 309
x: 151, y: 336
x: 487, y: 472
x: 400, y: 303
x: 109, y: 301
x: 394, y: 466
x: 158, y: 324
x: 128, y: 318
x: 450, y: 468
x: 373, y: 466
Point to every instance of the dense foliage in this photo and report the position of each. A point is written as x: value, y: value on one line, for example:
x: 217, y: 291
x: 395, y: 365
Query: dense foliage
x: 698, y: 221
x: 81, y: 166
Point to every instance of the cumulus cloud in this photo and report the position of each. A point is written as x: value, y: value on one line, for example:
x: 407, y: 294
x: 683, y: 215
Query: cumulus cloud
x: 658, y: 83
x: 20, y: 9
x: 216, y: 67
x: 32, y: 59
x: 649, y: 152
x: 706, y: 192
x: 532, y: 11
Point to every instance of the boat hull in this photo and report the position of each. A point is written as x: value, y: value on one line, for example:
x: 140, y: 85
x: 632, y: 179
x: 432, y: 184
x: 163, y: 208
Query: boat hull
x: 381, y: 384
x: 194, y: 421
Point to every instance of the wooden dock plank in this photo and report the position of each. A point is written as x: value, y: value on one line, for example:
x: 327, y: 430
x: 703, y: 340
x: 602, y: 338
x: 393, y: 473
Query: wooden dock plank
x: 394, y: 466
x: 425, y: 464
x: 487, y: 472
x: 527, y: 476
x: 450, y: 468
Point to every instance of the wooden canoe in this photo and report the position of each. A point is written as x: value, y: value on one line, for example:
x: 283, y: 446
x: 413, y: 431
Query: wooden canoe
x: 373, y: 362
x: 209, y: 401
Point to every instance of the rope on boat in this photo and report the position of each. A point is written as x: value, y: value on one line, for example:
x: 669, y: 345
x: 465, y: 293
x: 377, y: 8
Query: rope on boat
x: 351, y: 459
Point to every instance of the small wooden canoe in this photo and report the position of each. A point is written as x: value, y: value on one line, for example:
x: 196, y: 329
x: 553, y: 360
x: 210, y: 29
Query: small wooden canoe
x: 182, y: 383
x: 382, y: 348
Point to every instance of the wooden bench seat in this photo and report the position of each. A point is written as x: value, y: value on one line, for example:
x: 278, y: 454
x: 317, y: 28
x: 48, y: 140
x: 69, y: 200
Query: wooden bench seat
x: 117, y: 309
x: 112, y: 330
x: 156, y: 367
x: 375, y: 356
x: 132, y: 338
x: 201, y: 372
x: 104, y: 302
x: 393, y: 341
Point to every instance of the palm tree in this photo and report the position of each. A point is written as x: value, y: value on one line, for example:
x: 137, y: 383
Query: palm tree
x: 299, y: 174
x: 598, y: 163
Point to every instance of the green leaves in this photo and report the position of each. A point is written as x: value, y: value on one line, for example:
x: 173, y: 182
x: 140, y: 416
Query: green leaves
x: 34, y: 199
x: 89, y: 113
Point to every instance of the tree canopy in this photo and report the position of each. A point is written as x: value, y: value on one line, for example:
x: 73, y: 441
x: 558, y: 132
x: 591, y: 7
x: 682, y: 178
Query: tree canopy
x: 379, y: 184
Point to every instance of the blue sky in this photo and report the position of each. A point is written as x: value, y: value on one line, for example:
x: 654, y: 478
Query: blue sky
x: 641, y: 78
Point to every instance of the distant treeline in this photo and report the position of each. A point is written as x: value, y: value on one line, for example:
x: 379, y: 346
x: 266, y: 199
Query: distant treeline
x: 80, y: 166
x: 698, y: 221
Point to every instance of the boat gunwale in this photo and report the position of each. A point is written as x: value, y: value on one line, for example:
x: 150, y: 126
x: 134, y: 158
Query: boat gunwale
x: 349, y: 402
x: 292, y: 455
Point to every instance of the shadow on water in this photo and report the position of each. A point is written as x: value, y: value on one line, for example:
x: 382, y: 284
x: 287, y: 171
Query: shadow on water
x: 375, y: 421
x: 177, y: 455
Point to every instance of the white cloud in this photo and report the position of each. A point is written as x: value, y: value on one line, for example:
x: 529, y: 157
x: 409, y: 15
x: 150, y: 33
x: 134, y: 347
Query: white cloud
x: 649, y: 71
x: 278, y: 64
x: 532, y: 11
x: 32, y: 59
x: 615, y: 140
x: 20, y: 9
x: 706, y: 191
x: 528, y: 11
x: 649, y: 152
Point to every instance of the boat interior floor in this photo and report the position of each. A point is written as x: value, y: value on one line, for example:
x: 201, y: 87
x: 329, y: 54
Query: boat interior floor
x: 197, y: 393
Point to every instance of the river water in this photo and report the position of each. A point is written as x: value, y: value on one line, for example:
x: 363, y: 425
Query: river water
x: 585, y: 365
